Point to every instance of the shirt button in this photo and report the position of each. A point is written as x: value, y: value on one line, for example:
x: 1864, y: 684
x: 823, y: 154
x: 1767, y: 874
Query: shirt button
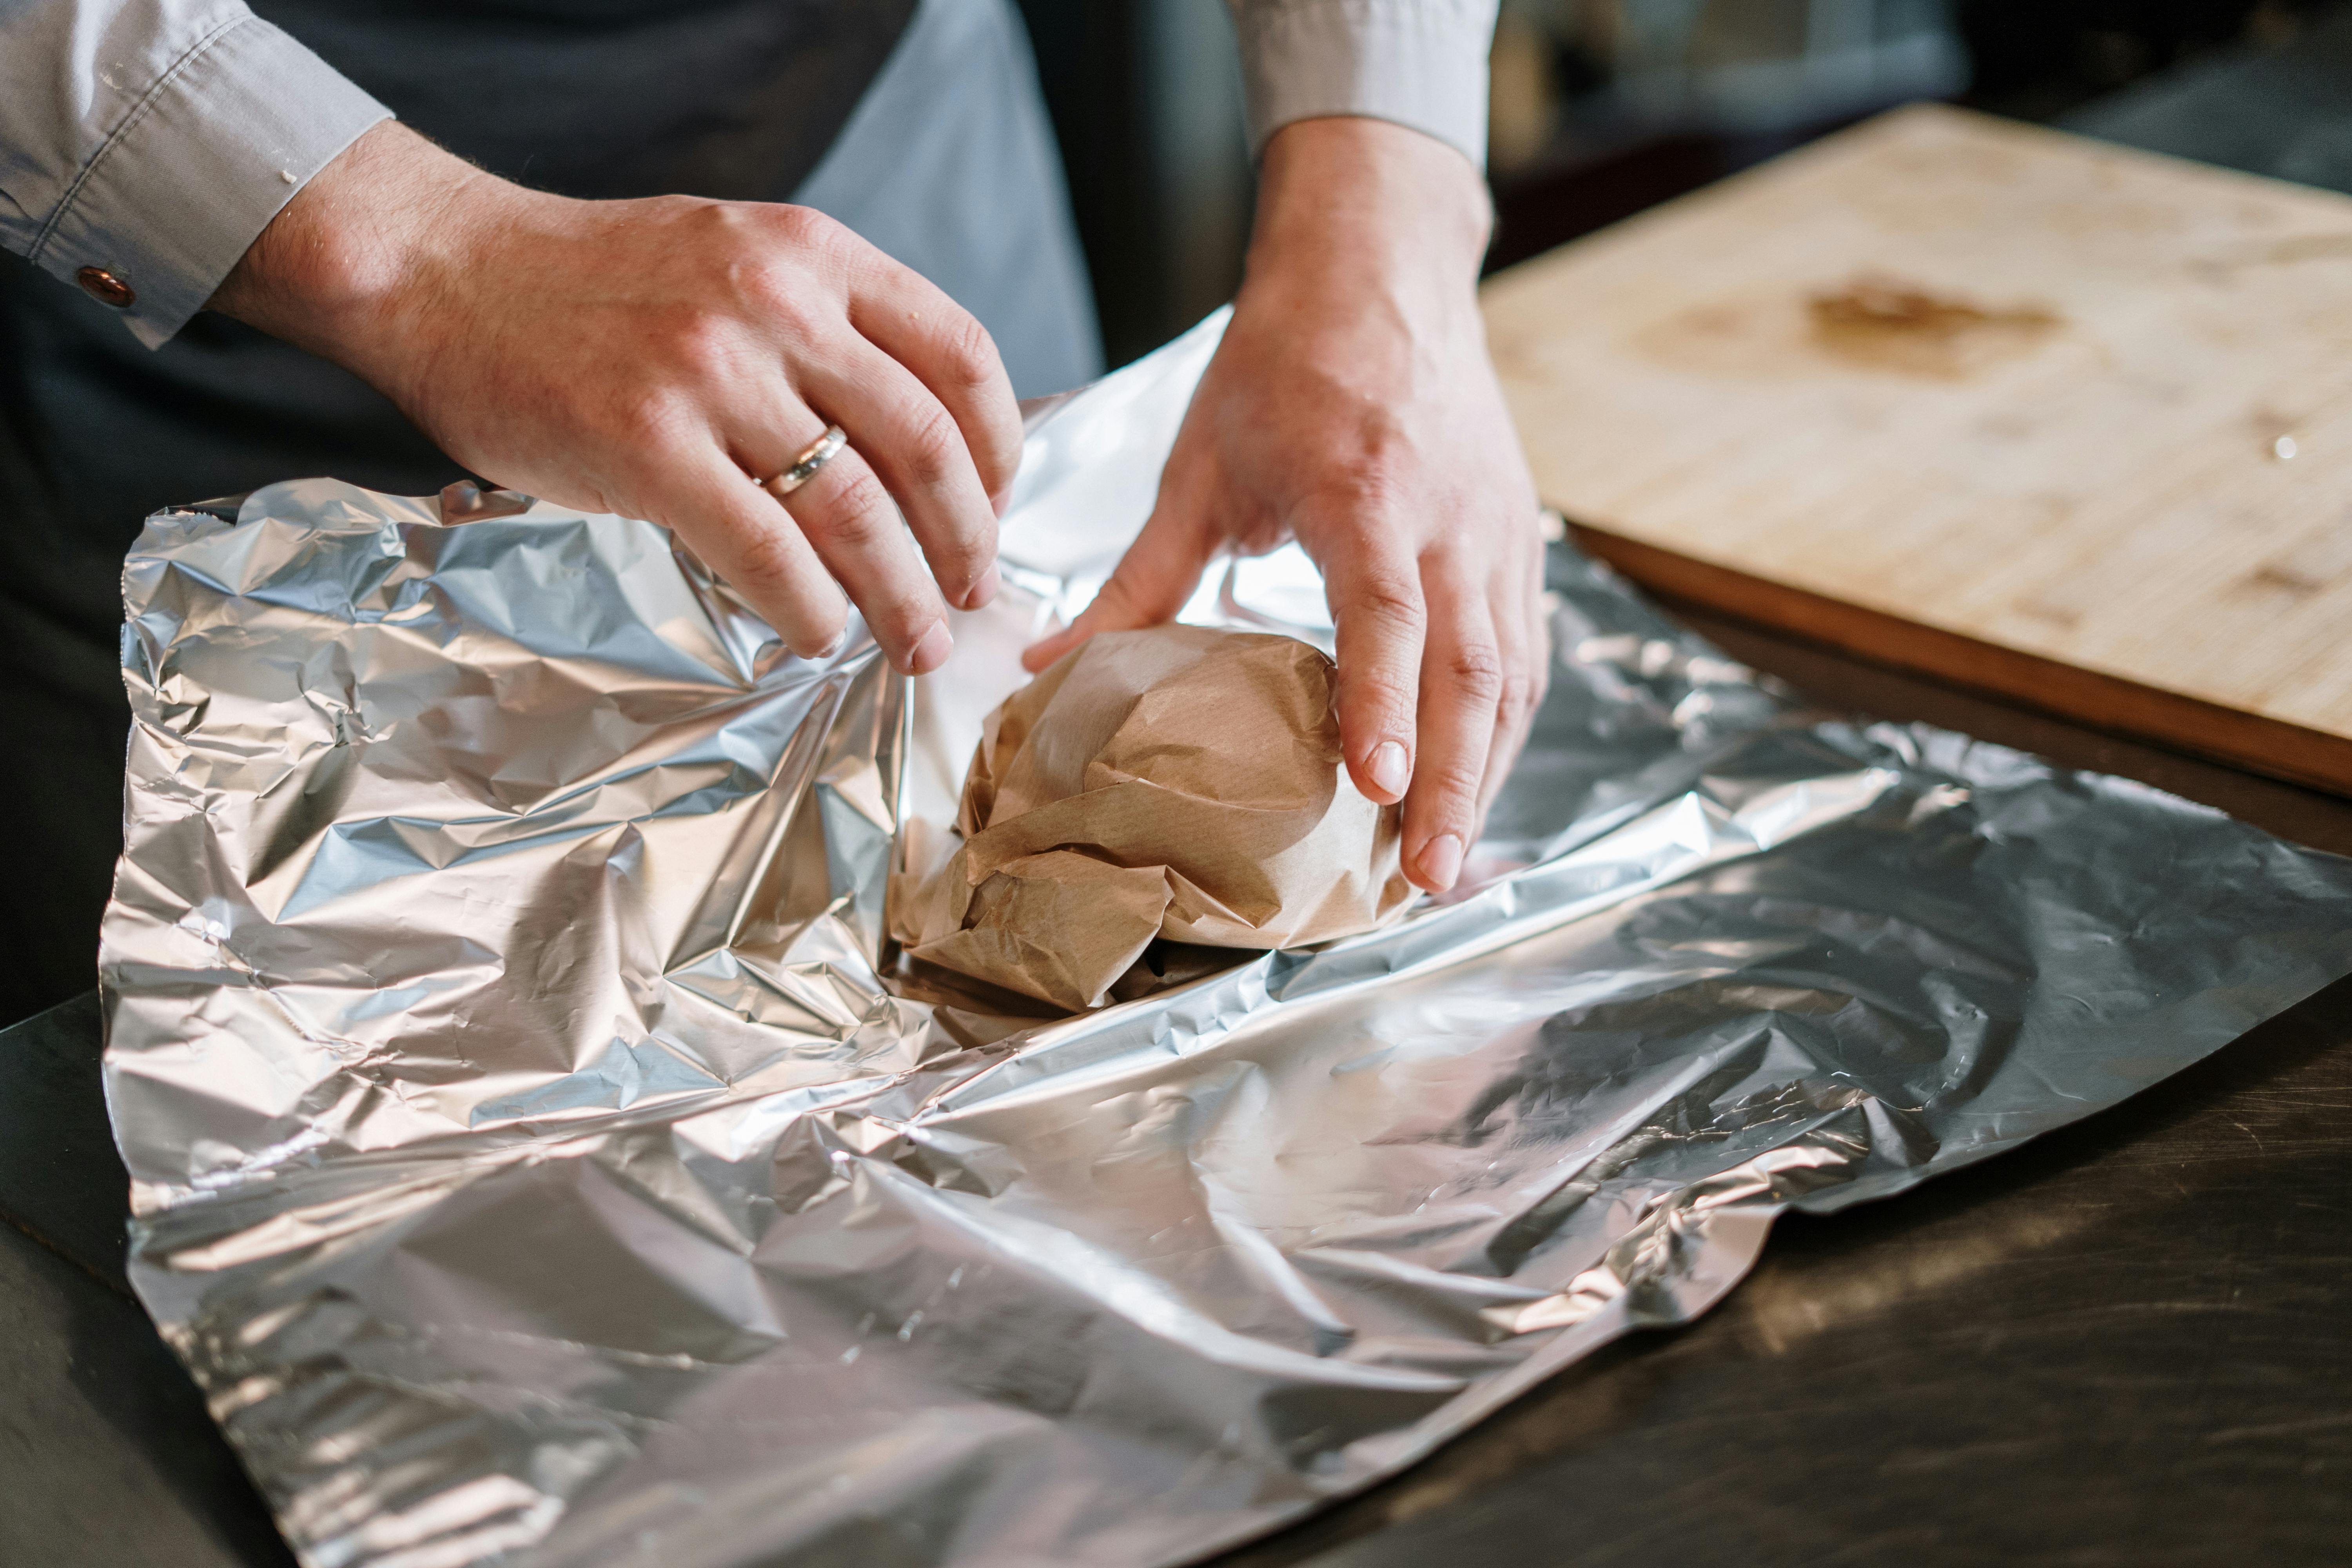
x: 105, y: 287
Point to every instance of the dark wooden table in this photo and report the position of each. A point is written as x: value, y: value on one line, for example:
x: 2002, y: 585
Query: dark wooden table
x: 2129, y: 1342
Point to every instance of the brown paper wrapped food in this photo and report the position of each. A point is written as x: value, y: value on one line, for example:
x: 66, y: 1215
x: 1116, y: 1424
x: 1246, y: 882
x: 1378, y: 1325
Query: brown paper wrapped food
x: 1178, y: 781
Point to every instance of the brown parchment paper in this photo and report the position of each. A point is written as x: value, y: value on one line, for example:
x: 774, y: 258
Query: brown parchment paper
x: 1183, y: 782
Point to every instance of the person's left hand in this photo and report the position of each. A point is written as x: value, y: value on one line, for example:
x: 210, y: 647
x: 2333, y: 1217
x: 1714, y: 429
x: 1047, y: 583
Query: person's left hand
x: 1352, y: 405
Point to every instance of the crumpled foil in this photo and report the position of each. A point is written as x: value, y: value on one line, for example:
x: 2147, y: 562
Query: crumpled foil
x: 540, y: 1157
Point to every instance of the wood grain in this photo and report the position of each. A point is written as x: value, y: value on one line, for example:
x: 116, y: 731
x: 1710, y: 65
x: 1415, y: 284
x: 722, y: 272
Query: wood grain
x: 2038, y: 415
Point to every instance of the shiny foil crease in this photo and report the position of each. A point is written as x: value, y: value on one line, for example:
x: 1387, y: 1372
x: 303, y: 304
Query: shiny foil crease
x: 538, y: 1155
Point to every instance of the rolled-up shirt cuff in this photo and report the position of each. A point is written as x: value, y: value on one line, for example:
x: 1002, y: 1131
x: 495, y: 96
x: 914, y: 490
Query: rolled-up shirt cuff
x: 221, y: 141
x: 1420, y: 63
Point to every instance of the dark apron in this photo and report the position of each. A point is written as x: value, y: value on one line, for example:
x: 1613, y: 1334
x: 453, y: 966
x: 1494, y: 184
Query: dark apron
x: 736, y: 99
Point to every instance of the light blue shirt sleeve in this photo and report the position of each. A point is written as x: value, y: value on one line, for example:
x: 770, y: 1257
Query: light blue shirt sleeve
x: 1420, y: 63
x: 155, y: 139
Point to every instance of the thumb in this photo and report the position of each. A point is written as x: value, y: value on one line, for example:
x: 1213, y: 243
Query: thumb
x: 1152, y: 580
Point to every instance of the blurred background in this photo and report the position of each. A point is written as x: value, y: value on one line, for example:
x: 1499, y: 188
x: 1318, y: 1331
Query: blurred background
x: 1604, y: 107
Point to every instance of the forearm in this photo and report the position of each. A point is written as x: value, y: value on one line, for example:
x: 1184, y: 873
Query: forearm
x: 1355, y: 201
x: 366, y: 244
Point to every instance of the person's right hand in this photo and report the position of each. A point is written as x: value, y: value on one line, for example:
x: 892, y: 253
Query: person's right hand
x: 653, y: 358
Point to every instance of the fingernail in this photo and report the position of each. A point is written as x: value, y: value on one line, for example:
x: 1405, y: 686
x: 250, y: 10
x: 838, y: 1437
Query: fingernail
x: 1441, y: 860
x: 835, y: 646
x: 984, y: 590
x: 932, y: 651
x: 1390, y: 773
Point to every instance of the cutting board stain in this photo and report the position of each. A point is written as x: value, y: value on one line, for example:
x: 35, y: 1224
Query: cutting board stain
x: 2055, y: 418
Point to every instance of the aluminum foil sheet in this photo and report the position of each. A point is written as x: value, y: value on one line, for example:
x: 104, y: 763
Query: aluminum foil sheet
x: 539, y: 1158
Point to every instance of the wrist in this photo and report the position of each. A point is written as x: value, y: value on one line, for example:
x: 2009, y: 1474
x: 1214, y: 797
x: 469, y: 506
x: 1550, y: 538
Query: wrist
x: 344, y: 267
x: 1353, y: 199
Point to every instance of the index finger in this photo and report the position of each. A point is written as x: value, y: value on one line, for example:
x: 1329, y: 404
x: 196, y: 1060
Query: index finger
x: 1381, y: 620
x: 1462, y: 686
x: 907, y: 316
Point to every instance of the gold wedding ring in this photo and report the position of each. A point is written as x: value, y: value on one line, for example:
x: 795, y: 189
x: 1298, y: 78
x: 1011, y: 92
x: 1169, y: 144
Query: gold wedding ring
x: 813, y: 456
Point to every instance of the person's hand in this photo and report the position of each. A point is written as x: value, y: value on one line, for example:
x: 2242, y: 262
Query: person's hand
x: 1352, y: 405
x: 653, y: 358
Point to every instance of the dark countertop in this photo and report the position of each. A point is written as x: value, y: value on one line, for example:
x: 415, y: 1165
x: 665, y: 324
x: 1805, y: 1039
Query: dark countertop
x: 2128, y: 1342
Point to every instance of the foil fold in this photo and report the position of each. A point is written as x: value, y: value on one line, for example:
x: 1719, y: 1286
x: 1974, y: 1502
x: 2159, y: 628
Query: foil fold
x: 542, y: 1156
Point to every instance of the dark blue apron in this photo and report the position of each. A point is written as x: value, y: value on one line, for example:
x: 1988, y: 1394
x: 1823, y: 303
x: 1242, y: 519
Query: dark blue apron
x: 736, y: 99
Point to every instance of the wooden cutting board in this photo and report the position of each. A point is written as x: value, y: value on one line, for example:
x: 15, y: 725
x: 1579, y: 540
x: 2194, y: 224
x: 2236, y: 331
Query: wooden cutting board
x: 2034, y: 414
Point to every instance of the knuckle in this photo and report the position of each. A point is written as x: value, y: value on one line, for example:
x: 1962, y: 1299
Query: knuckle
x: 811, y: 231
x: 1475, y: 671
x: 764, y: 559
x: 932, y: 446
x: 695, y: 225
x: 831, y: 250
x: 1390, y: 598
x: 1369, y: 485
x: 703, y: 345
x: 1539, y: 660
x: 779, y: 265
x: 789, y: 308
x: 967, y: 353
x: 1518, y: 696
x: 642, y: 421
x: 785, y: 298
x: 1456, y: 795
x: 859, y: 514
